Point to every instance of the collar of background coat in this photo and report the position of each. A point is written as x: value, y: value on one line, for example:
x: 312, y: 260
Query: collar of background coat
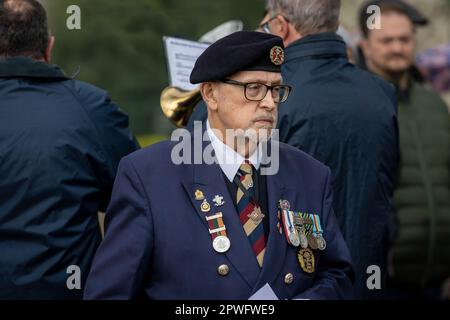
x: 24, y: 67
x: 326, y: 44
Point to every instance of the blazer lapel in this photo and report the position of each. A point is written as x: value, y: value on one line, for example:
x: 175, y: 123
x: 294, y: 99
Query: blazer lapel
x: 209, y: 179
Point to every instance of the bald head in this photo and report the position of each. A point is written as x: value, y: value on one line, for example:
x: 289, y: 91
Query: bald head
x: 23, y: 29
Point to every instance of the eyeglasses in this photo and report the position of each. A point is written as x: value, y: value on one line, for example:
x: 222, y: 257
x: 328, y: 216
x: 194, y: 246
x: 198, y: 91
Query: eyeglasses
x: 256, y: 91
x: 265, y: 25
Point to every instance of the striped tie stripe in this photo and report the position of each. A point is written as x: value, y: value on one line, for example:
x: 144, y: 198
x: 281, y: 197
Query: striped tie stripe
x: 245, y: 206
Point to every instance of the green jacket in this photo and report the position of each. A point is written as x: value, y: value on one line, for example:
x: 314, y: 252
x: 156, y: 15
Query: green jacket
x: 421, y: 253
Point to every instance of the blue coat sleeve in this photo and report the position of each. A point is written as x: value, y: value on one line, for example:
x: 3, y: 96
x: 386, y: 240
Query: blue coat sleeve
x: 123, y: 258
x: 334, y: 279
x: 113, y: 133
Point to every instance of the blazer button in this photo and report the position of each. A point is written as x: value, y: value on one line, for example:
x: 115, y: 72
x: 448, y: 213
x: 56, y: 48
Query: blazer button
x: 223, y: 270
x: 289, y: 278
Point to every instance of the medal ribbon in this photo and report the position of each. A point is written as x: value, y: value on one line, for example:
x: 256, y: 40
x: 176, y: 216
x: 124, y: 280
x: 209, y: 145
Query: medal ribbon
x: 216, y: 225
x: 317, y: 226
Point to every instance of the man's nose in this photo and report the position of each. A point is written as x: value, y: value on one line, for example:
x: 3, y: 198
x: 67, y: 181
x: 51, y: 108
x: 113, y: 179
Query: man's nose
x: 397, y: 47
x: 268, y: 101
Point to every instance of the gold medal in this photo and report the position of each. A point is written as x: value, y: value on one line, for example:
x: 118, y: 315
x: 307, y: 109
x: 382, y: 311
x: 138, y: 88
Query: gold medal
x: 306, y: 260
x: 205, y: 207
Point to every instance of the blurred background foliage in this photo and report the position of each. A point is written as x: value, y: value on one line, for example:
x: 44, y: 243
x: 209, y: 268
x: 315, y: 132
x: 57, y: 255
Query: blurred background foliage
x: 119, y: 47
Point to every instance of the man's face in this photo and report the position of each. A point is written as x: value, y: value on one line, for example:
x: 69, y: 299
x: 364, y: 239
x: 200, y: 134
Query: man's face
x: 235, y: 111
x: 391, y: 48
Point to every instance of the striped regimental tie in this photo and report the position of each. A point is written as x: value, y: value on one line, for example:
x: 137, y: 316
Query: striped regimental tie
x: 249, y: 212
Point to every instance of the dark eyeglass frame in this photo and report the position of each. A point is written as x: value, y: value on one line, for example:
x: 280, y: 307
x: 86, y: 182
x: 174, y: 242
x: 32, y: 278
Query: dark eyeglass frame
x: 265, y: 26
x: 245, y: 85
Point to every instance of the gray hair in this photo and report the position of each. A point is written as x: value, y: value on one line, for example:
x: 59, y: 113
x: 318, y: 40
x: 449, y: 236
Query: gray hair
x: 308, y: 16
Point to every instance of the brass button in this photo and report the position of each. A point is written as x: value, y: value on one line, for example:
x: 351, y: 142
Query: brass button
x: 289, y: 278
x: 223, y: 270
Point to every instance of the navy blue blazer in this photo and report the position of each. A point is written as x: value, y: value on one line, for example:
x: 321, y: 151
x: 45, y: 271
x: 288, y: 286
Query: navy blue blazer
x: 157, y: 241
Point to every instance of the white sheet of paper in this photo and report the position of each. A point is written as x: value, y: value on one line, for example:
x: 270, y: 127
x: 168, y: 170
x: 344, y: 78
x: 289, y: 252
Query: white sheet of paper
x: 181, y: 55
x: 265, y: 293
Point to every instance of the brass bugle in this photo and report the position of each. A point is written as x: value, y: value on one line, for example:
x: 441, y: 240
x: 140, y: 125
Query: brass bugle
x: 178, y: 104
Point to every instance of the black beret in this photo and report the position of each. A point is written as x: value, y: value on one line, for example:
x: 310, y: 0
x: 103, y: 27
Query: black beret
x: 414, y: 15
x: 240, y: 51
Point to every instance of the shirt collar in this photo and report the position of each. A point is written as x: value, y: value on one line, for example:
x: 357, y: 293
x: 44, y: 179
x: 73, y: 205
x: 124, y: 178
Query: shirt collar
x: 228, y: 159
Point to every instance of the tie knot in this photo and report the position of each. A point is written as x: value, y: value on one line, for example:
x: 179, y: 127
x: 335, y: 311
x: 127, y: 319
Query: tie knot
x: 246, y: 168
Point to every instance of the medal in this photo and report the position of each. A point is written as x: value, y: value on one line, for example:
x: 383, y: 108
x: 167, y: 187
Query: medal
x: 205, y: 207
x: 220, y: 241
x: 298, y: 221
x: 312, y: 241
x: 303, y: 240
x: 294, y: 239
x: 321, y: 243
x: 289, y: 229
x: 221, y: 244
x: 306, y: 260
x: 199, y: 195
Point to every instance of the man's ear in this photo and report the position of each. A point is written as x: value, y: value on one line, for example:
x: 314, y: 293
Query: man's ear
x: 49, y: 49
x: 209, y: 94
x: 281, y: 27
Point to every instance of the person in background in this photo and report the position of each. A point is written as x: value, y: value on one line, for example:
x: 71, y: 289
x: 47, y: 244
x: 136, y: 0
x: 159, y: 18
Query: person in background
x: 420, y: 258
x: 60, y: 144
x: 346, y: 118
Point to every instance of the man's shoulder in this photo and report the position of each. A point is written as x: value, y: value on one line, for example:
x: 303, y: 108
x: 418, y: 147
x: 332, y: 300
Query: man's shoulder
x: 83, y: 90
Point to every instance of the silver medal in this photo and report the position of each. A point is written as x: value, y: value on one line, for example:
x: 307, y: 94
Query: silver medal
x: 321, y: 243
x: 303, y: 240
x: 293, y: 237
x: 221, y: 244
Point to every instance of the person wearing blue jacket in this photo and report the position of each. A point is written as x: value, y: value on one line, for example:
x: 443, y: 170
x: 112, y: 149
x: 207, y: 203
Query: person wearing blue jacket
x: 60, y: 144
x: 344, y: 117
x: 228, y: 225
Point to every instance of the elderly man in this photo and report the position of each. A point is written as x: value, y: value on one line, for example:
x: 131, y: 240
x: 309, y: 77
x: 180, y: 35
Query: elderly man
x: 226, y: 229
x: 343, y: 117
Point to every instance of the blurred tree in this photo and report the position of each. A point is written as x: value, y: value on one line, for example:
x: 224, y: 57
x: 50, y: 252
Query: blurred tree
x: 119, y: 46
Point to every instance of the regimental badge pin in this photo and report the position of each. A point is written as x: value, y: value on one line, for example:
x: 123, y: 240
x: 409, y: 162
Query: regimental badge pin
x: 218, y: 201
x: 205, y: 207
x: 256, y: 215
x: 306, y: 260
x: 199, y: 195
x: 277, y: 55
